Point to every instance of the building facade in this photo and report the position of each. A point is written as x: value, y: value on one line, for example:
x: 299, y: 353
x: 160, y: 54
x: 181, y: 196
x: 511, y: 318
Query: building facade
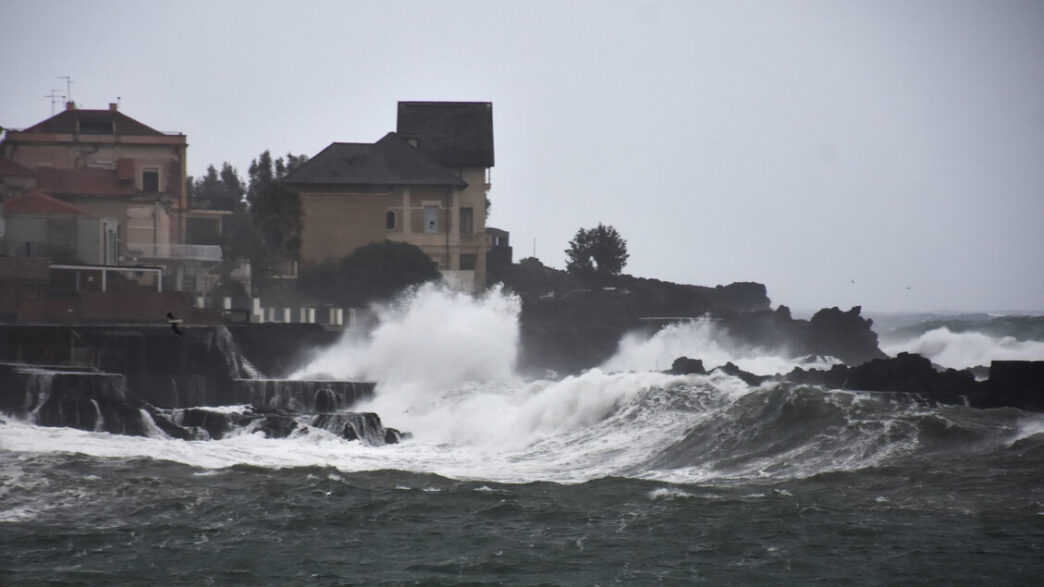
x: 112, y: 167
x: 425, y: 184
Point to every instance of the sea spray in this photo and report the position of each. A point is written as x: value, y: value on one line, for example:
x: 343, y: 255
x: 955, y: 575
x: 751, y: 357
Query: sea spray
x: 430, y: 336
x: 702, y: 339
x: 444, y: 361
x: 963, y: 350
x: 633, y: 476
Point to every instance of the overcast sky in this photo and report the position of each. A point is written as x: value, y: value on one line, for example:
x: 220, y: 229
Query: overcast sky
x: 883, y: 154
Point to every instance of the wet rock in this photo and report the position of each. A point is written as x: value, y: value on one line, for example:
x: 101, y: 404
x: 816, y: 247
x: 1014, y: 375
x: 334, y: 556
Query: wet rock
x: 215, y: 424
x: 748, y: 378
x: 363, y: 426
x: 912, y: 373
x: 84, y: 400
x: 277, y: 425
x: 833, y: 378
x: 1018, y: 384
x: 844, y: 335
x: 687, y: 366
x: 300, y: 396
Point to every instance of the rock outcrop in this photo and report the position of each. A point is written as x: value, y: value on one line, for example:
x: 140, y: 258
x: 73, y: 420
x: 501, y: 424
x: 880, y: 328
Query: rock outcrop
x: 844, y: 335
x: 102, y: 402
x: 1018, y: 384
x: 1013, y: 384
x: 567, y: 326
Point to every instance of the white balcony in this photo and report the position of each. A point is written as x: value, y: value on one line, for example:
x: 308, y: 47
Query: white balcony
x: 175, y: 252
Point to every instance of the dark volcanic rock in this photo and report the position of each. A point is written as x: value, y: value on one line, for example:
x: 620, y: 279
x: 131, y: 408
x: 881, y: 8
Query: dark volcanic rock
x: 277, y: 425
x: 912, y: 373
x: 1014, y: 384
x: 364, y: 426
x: 687, y: 366
x: 844, y: 335
x: 298, y: 395
x: 748, y: 378
x: 834, y: 378
x: 215, y: 424
x: 769, y: 329
x: 1017, y: 384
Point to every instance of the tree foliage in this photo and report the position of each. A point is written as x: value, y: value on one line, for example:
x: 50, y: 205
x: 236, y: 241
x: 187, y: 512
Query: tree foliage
x: 372, y: 272
x: 597, y: 253
x: 216, y: 191
x: 275, y: 208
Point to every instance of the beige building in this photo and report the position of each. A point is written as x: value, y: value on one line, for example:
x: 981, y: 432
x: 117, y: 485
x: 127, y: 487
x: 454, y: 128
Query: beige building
x: 112, y: 166
x: 425, y: 184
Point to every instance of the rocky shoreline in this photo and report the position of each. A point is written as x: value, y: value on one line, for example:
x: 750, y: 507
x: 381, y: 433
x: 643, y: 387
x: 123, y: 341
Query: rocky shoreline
x: 567, y: 328
x: 140, y: 380
x: 1010, y: 384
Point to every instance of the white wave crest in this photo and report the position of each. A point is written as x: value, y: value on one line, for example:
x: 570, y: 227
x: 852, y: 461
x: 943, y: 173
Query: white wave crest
x: 962, y: 350
x: 701, y: 339
x: 432, y: 335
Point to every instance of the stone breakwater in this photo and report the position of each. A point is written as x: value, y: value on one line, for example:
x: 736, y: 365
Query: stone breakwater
x: 148, y: 381
x: 101, y: 402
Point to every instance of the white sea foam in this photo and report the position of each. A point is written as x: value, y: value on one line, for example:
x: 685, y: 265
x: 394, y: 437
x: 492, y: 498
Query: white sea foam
x: 444, y: 366
x: 701, y: 339
x: 961, y: 350
x: 434, y: 336
x: 669, y: 493
x: 1029, y: 427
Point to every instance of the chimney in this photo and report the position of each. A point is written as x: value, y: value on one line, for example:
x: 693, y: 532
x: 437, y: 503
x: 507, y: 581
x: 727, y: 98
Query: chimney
x: 113, y: 106
x: 70, y: 105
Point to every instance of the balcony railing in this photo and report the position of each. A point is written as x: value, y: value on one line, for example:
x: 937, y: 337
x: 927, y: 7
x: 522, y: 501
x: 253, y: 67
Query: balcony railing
x: 176, y: 252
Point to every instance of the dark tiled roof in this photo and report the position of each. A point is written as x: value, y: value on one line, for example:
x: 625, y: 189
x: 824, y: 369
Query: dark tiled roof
x: 82, y: 181
x: 34, y: 203
x: 458, y: 134
x: 390, y: 161
x: 93, y: 122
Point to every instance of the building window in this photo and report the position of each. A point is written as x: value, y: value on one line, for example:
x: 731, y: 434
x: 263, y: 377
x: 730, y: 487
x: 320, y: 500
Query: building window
x: 95, y: 127
x: 150, y: 181
x: 467, y: 262
x: 389, y: 220
x: 467, y: 221
x: 431, y: 219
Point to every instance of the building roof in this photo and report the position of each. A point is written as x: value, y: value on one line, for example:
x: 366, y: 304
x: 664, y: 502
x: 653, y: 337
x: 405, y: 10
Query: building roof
x: 87, y: 181
x: 9, y: 168
x: 35, y: 203
x: 108, y: 122
x: 390, y: 161
x: 458, y: 134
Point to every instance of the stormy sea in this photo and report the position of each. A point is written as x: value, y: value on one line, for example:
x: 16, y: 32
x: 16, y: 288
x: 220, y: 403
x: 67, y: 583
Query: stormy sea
x: 620, y: 475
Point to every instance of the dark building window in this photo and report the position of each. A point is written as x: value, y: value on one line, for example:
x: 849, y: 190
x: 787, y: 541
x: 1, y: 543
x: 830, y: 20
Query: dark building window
x: 96, y: 127
x: 467, y: 262
x: 467, y: 221
x: 389, y: 220
x: 150, y: 181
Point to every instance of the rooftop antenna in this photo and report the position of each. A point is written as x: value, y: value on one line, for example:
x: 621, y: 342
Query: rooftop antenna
x: 54, y: 96
x: 68, y: 86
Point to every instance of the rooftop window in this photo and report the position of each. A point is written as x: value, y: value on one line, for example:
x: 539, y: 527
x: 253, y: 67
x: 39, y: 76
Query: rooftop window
x: 96, y: 126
